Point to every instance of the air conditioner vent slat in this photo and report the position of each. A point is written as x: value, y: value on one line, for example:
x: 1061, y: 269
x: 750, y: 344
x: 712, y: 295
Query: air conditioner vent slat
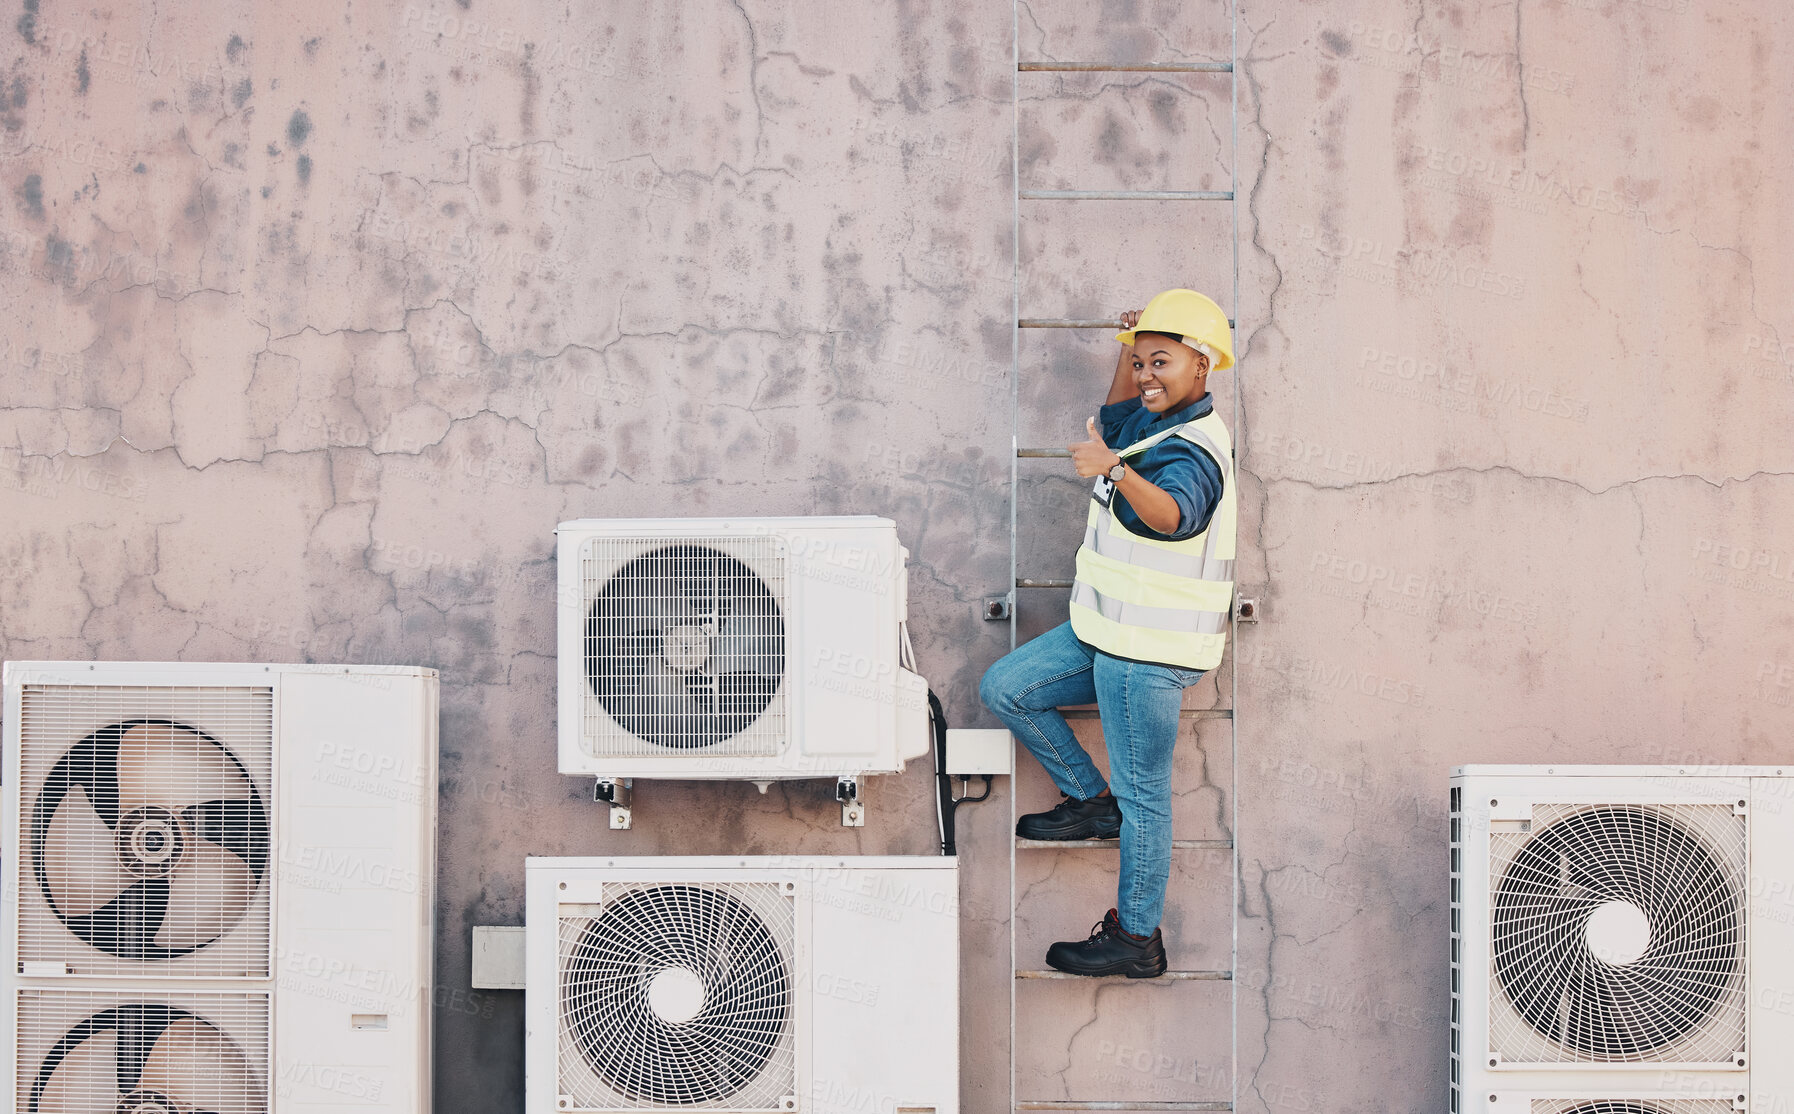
x: 1620, y: 1105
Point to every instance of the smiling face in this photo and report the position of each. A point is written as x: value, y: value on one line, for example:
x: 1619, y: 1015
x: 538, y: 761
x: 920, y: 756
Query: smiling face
x: 1169, y: 373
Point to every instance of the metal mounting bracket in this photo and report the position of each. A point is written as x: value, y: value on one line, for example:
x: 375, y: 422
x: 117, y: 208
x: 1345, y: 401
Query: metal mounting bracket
x: 853, y: 813
x: 619, y: 795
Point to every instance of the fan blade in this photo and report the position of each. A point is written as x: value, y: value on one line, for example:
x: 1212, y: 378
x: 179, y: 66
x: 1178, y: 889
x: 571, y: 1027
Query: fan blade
x: 240, y: 827
x: 139, y: 1027
x: 173, y: 766
x: 81, y: 870
x: 748, y: 644
x: 78, y: 1076
x: 623, y: 636
x: 91, y: 764
x: 127, y: 925
x: 664, y: 704
x: 208, y: 894
x: 669, y: 689
x: 199, y: 1065
x: 645, y: 613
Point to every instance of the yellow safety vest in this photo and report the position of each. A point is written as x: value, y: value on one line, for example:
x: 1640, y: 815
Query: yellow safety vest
x: 1157, y: 601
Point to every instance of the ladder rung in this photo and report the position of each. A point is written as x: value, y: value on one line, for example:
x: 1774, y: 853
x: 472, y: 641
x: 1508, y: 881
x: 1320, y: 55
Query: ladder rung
x: 1125, y: 67
x: 1127, y: 195
x: 1043, y: 452
x: 1074, y: 323
x: 1173, y: 976
x: 1026, y: 583
x: 1113, y: 845
x: 1116, y: 1104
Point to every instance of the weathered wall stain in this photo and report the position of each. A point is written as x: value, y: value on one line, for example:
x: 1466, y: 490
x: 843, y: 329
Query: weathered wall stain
x: 31, y: 196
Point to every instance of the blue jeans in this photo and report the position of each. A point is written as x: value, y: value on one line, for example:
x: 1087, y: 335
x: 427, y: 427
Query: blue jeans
x: 1139, y: 704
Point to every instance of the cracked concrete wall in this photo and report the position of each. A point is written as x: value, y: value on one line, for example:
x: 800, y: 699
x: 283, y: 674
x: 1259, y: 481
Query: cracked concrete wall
x: 1516, y: 390
x: 316, y: 321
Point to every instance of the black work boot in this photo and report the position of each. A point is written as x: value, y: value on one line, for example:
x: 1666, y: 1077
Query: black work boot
x: 1097, y: 818
x: 1110, y: 951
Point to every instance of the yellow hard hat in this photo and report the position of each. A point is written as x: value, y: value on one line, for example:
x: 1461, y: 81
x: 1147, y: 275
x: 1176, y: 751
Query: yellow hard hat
x: 1193, y: 317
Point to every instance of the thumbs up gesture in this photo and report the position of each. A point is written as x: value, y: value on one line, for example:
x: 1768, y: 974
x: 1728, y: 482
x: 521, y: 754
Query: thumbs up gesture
x: 1092, y: 457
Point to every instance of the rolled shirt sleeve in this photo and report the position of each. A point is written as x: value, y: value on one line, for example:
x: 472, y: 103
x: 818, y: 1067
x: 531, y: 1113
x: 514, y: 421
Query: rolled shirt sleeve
x: 1178, y: 467
x: 1187, y: 474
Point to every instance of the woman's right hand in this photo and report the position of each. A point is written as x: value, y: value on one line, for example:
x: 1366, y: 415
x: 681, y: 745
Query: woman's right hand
x: 1124, y: 387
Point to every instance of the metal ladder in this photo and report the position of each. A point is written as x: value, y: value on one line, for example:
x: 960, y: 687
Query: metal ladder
x: 1024, y: 977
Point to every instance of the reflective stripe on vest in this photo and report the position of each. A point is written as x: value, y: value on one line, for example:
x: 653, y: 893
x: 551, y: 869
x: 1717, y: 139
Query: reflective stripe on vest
x: 1159, y: 601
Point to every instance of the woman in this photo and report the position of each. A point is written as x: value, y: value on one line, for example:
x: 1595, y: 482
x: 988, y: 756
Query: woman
x: 1149, y: 612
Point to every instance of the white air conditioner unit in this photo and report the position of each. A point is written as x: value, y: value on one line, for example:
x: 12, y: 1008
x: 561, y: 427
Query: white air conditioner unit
x: 218, y: 893
x: 1622, y: 938
x: 747, y: 649
x: 755, y: 986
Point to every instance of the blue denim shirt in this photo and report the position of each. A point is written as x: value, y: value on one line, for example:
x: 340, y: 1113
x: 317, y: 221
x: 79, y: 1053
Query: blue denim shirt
x: 1174, y: 465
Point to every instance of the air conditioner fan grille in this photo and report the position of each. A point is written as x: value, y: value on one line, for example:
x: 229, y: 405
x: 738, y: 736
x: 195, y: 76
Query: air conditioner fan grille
x: 146, y: 829
x: 685, y: 646
x: 1618, y: 934
x: 108, y: 1053
x: 679, y: 995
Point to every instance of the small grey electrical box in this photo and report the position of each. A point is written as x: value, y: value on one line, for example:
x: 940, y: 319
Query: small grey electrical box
x: 498, y: 957
x: 979, y: 750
